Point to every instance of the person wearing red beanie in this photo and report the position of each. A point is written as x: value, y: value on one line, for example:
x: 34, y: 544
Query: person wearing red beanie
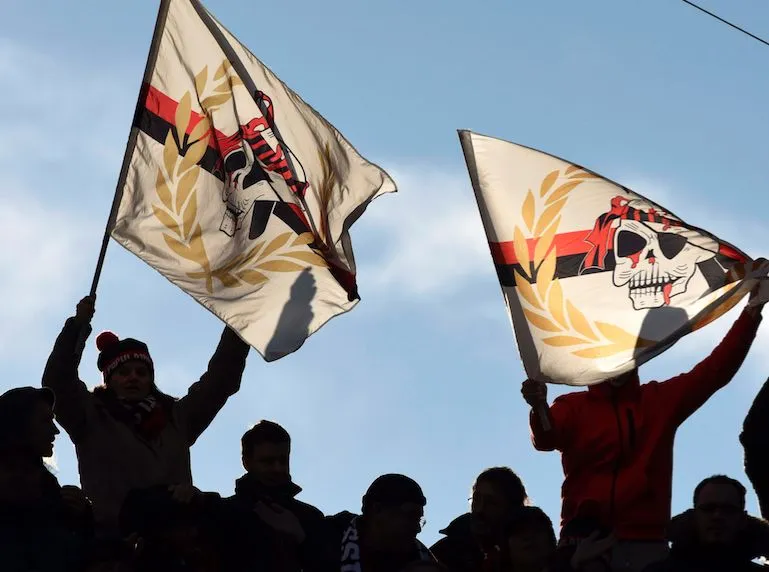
x: 127, y: 433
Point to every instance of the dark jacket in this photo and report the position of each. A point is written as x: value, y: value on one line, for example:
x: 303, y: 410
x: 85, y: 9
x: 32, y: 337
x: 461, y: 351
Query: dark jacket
x: 245, y: 530
x: 688, y: 555
x: 334, y: 529
x: 617, y: 443
x: 755, y: 442
x: 46, y: 536
x: 459, y: 551
x: 113, y: 458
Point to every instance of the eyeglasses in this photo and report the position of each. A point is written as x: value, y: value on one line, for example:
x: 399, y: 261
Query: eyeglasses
x: 409, y: 513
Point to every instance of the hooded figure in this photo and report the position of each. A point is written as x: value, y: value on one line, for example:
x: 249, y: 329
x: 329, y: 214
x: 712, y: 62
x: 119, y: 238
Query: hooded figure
x: 127, y: 433
x: 43, y: 526
x: 755, y: 442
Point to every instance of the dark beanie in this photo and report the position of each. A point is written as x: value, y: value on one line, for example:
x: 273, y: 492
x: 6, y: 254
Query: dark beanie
x: 113, y: 351
x: 16, y: 407
x: 393, y: 490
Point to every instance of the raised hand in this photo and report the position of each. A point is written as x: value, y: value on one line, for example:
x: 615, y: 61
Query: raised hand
x: 281, y: 520
x: 534, y: 392
x: 85, y: 310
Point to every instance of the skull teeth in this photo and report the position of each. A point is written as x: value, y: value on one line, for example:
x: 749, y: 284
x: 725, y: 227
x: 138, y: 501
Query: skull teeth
x: 650, y: 283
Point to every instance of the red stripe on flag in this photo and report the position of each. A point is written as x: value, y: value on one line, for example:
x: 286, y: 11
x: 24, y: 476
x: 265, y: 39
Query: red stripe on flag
x: 729, y: 252
x: 572, y: 243
x: 164, y: 107
x: 566, y: 244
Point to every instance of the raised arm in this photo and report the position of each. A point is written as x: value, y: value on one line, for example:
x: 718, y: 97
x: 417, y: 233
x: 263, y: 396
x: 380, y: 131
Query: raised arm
x: 205, y: 398
x: 549, y: 425
x: 687, y: 392
x: 61, y: 376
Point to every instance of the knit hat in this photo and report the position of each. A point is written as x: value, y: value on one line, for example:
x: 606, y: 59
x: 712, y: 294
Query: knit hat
x: 392, y: 490
x: 113, y: 352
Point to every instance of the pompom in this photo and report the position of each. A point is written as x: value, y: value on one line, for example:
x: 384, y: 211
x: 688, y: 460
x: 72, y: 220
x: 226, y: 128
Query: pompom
x: 105, y: 340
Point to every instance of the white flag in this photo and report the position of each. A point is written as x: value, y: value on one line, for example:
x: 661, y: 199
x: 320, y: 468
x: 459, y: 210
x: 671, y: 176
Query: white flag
x: 597, y: 279
x: 236, y: 190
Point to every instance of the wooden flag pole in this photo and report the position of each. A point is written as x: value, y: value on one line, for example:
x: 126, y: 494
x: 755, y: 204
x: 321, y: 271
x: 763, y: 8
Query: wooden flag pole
x: 149, y: 67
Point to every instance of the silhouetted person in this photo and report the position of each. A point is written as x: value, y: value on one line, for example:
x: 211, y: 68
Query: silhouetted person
x: 717, y: 535
x: 172, y: 536
x: 616, y: 441
x: 530, y: 541
x: 264, y: 511
x: 384, y: 537
x: 43, y: 527
x: 476, y: 541
x: 127, y: 433
x: 111, y: 555
x: 755, y: 442
x: 585, y: 544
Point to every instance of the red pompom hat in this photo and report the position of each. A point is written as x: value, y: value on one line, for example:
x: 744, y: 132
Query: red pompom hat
x: 113, y: 351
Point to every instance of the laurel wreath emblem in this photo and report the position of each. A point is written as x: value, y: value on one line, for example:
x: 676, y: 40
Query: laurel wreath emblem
x: 538, y: 285
x: 176, y: 189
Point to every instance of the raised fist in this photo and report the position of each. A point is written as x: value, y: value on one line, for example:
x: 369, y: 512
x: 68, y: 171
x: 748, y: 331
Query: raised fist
x: 534, y: 392
x: 85, y: 310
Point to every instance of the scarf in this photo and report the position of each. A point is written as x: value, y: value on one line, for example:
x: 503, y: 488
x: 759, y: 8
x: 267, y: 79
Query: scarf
x: 148, y: 416
x: 351, y: 549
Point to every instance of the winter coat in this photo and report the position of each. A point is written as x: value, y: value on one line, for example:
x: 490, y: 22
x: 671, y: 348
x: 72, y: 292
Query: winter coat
x: 755, y: 442
x: 617, y: 443
x: 113, y: 458
x: 242, y: 530
x: 687, y: 554
x: 330, y: 559
x: 459, y: 550
x: 45, y: 536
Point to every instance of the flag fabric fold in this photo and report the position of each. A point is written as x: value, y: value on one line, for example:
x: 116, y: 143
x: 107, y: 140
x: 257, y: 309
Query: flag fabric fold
x: 597, y: 279
x: 236, y: 190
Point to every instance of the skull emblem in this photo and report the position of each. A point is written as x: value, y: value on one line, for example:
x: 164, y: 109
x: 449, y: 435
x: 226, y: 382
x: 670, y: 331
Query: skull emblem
x: 243, y: 186
x: 655, y: 263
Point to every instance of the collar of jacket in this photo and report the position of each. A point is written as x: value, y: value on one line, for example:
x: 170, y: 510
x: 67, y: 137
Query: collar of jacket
x: 248, y: 487
x: 625, y: 392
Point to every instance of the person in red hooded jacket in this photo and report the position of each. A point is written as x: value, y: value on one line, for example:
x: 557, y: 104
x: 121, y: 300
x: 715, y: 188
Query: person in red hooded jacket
x: 616, y: 442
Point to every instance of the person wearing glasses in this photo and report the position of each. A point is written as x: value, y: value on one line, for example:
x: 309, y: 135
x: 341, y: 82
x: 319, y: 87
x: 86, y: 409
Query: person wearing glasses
x: 383, y: 538
x: 717, y: 534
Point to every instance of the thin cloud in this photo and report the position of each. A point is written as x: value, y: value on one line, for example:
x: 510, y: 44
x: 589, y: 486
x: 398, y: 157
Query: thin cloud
x: 56, y: 113
x: 43, y: 248
x: 430, y: 235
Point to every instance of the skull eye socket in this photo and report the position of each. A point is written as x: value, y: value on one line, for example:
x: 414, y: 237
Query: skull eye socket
x: 671, y: 244
x: 235, y: 161
x: 629, y: 243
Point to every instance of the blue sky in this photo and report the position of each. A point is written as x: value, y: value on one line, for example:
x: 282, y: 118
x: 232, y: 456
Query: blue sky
x: 423, y: 376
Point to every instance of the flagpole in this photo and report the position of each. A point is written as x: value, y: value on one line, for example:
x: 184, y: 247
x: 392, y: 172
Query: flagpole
x: 542, y: 409
x: 131, y: 144
x: 248, y: 83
